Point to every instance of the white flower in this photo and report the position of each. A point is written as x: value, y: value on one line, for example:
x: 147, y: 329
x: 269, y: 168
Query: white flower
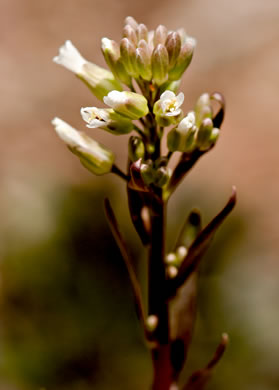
x: 95, y: 117
x: 68, y: 134
x: 170, y: 103
x: 187, y: 123
x: 94, y: 156
x: 101, y: 81
x: 70, y: 58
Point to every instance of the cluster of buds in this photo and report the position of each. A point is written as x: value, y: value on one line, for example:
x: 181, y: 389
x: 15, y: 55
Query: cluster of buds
x: 196, y: 131
x: 140, y: 94
x: 158, y: 56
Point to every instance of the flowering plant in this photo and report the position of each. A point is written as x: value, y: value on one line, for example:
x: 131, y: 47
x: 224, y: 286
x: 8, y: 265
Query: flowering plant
x: 140, y: 92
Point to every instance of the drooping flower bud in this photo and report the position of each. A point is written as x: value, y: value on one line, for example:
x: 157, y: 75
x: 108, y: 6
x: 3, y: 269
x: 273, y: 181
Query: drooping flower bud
x: 111, y: 52
x: 107, y: 119
x: 99, y: 80
x: 167, y: 109
x: 182, y: 138
x: 160, y: 35
x: 93, y: 156
x: 130, y: 104
x: 204, y: 134
x: 184, y: 59
x: 160, y: 64
x: 128, y: 56
x: 136, y: 149
x: 173, y: 46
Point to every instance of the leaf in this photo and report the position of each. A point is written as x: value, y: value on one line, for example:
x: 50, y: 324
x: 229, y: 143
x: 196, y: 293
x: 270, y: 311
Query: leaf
x: 123, y: 249
x: 183, y: 305
x: 199, y: 379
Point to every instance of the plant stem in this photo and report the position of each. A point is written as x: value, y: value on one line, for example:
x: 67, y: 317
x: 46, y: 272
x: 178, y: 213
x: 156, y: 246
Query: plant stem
x: 158, y: 304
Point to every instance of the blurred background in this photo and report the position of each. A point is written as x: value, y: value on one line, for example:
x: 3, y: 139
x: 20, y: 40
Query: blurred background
x: 66, y: 314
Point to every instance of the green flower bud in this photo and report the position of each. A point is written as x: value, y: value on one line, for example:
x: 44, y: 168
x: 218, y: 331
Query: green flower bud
x: 143, y: 62
x: 107, y: 119
x: 147, y: 172
x: 173, y: 46
x: 160, y: 63
x: 99, y: 80
x: 214, y: 136
x: 160, y: 35
x: 130, y: 104
x: 203, y: 108
x: 94, y: 156
x: 162, y: 176
x: 130, y: 34
x: 142, y: 32
x: 204, y: 134
x: 136, y: 149
x: 182, y: 138
x: 128, y: 57
x: 184, y: 59
x: 111, y: 52
x: 170, y: 86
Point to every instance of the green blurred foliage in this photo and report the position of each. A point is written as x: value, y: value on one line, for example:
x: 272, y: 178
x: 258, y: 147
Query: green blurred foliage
x: 66, y: 309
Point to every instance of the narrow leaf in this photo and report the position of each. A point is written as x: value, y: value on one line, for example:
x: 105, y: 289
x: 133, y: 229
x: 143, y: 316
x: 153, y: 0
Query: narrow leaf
x: 199, y: 379
x: 123, y: 249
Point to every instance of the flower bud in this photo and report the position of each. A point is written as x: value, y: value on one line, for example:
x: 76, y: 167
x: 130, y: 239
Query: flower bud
x: 151, y: 322
x: 203, y: 108
x: 128, y: 57
x: 137, y: 181
x: 160, y: 63
x: 147, y: 172
x: 160, y: 35
x: 214, y: 136
x: 182, y: 138
x: 99, y: 80
x: 170, y: 86
x: 173, y: 46
x: 162, y: 176
x: 204, y: 134
x: 111, y: 52
x: 184, y: 59
x: 93, y: 156
x: 107, y: 119
x: 130, y: 104
x: 130, y: 34
x: 131, y: 22
x: 171, y: 272
x: 143, y: 62
x: 170, y: 258
x: 142, y: 32
x: 136, y: 149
